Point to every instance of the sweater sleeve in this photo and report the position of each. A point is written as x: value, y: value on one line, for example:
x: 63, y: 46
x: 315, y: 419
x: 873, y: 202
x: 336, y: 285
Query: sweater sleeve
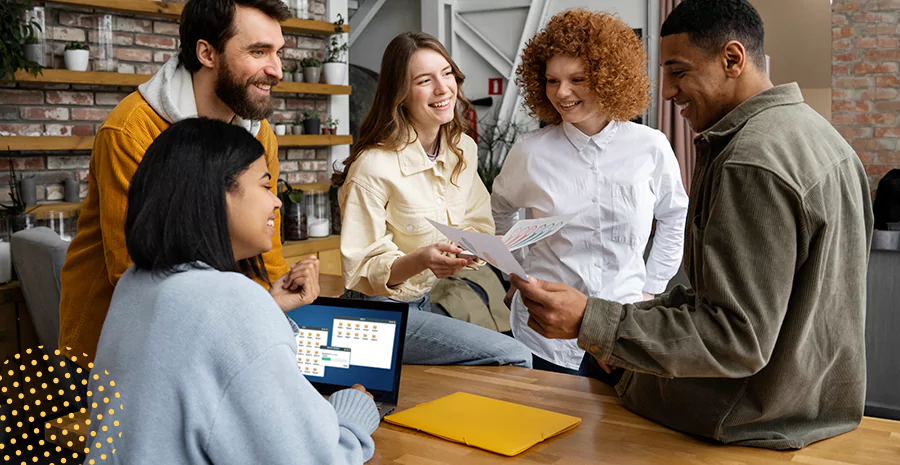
x: 270, y: 413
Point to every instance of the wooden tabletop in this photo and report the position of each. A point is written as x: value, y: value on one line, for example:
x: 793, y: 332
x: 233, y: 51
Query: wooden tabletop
x: 330, y: 286
x: 608, y: 433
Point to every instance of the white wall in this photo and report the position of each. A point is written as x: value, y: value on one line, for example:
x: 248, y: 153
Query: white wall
x: 395, y: 16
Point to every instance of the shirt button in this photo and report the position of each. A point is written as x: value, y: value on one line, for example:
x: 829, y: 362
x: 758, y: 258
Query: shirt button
x: 409, y: 227
x: 596, y: 199
x: 440, y: 200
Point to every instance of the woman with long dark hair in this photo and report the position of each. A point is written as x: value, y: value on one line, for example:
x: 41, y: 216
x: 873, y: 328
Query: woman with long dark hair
x: 413, y: 162
x: 199, y: 360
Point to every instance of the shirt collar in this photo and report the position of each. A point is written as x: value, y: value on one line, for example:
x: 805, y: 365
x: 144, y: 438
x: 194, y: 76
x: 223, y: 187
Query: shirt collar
x: 785, y: 94
x: 413, y: 158
x: 580, y: 140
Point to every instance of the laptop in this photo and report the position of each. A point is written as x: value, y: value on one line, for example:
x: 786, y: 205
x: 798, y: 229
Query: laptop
x: 343, y: 342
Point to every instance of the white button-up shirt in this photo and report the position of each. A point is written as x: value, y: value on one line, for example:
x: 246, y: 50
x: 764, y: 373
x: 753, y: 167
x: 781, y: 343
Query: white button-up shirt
x: 619, y: 180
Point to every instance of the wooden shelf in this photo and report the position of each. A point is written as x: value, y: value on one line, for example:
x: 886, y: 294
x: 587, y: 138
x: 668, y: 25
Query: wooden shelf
x: 99, y: 78
x: 310, y: 246
x: 173, y: 11
x: 46, y: 143
x: 313, y: 141
x: 60, y: 143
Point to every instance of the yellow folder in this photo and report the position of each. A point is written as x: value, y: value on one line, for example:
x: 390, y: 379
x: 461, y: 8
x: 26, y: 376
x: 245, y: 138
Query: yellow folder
x: 493, y: 425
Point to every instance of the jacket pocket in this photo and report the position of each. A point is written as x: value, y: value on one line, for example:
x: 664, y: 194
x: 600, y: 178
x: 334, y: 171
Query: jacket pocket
x: 408, y: 222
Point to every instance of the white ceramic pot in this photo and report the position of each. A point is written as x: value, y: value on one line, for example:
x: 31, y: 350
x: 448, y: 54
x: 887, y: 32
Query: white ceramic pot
x: 77, y: 60
x: 335, y: 73
x: 280, y: 129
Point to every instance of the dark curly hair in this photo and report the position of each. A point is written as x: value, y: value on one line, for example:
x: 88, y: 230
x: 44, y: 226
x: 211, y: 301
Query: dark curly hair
x: 614, y: 60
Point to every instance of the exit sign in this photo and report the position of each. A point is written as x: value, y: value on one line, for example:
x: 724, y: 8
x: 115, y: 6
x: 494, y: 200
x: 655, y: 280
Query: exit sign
x: 495, y: 86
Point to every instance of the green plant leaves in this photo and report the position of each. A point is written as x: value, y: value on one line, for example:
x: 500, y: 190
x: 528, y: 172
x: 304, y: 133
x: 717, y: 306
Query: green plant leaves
x: 14, y: 32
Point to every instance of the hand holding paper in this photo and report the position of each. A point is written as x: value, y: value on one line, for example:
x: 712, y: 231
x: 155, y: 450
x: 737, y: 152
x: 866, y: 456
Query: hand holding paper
x: 495, y: 250
x: 485, y: 246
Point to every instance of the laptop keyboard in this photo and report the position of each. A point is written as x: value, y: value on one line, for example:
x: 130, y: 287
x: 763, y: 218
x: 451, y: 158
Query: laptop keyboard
x: 383, y: 409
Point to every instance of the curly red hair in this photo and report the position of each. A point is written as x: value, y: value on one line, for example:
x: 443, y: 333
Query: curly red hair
x: 614, y: 61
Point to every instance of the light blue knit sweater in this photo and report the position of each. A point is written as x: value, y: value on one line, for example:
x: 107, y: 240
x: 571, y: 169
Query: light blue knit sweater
x: 204, y: 364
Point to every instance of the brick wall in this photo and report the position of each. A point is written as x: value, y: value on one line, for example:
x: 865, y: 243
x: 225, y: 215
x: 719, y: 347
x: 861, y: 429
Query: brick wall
x: 865, y: 84
x: 141, y: 45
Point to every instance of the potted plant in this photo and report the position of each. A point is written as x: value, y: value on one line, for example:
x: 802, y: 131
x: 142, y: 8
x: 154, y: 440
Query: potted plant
x: 33, y: 50
x: 17, y: 214
x: 331, y: 126
x: 287, y: 73
x: 335, y: 67
x: 14, y: 33
x: 77, y: 56
x: 297, y: 128
x: 311, y: 69
x: 311, y: 122
x: 495, y: 137
x: 293, y: 214
x: 280, y: 129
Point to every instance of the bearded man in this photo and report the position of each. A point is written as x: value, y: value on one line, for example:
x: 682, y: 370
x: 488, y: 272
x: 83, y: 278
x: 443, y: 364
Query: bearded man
x: 230, y: 59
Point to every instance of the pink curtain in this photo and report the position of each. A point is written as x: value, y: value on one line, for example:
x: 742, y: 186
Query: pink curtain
x: 671, y: 123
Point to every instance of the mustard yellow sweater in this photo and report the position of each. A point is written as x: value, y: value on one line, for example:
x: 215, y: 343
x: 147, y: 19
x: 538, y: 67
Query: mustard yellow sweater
x: 97, y: 256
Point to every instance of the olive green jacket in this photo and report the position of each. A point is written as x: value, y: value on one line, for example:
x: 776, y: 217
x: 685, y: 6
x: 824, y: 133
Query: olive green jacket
x: 766, y: 348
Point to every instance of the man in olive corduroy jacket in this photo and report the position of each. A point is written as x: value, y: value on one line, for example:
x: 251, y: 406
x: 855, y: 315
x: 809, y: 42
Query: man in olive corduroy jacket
x: 766, y: 348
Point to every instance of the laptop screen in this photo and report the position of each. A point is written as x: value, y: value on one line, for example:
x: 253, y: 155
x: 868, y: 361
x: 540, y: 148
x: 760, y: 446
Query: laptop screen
x: 343, y: 342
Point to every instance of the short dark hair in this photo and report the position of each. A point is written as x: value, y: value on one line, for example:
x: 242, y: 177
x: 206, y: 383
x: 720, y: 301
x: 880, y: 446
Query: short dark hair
x: 710, y: 24
x: 213, y: 21
x: 177, y: 212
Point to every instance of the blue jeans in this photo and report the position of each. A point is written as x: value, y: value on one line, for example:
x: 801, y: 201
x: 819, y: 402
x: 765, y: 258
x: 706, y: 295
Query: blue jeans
x: 433, y: 339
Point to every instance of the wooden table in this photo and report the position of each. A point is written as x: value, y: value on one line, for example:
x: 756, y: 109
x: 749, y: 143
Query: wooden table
x: 608, y: 433
x: 330, y: 285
